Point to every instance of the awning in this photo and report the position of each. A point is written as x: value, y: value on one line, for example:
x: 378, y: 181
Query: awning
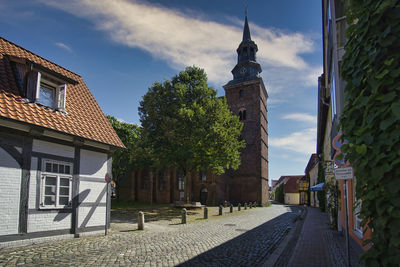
x: 317, y: 187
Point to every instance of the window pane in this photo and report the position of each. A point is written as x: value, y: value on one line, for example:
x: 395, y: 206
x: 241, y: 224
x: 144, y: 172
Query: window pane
x: 48, y: 167
x: 46, y: 95
x: 67, y: 169
x: 50, y: 191
x: 51, y: 180
x: 55, y: 167
x: 61, y: 168
x: 64, y: 182
x: 64, y: 191
x: 63, y: 200
x: 49, y: 200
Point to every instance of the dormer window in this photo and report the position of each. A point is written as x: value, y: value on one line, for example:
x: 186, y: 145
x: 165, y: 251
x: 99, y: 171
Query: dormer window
x: 47, y: 95
x: 49, y: 92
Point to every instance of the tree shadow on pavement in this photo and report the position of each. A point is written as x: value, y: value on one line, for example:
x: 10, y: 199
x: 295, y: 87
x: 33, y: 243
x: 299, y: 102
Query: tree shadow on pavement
x: 251, y: 248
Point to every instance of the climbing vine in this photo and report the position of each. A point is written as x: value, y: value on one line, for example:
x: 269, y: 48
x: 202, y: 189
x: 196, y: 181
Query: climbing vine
x: 370, y: 121
x: 321, y: 179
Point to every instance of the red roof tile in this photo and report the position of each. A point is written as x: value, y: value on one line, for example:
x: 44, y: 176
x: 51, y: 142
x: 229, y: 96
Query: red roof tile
x: 84, y: 116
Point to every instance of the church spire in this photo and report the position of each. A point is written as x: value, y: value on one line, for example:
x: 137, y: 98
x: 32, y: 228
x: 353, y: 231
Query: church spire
x: 246, y: 30
x: 247, y: 68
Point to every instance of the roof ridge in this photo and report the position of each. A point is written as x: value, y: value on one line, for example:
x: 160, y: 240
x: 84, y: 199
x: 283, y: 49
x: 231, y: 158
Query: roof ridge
x: 8, y: 41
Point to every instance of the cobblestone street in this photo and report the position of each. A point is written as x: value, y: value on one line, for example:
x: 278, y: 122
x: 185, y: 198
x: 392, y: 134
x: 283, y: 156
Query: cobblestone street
x: 245, y: 238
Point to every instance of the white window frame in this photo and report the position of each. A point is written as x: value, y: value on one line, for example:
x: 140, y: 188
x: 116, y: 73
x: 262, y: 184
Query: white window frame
x: 47, y: 174
x: 60, y: 93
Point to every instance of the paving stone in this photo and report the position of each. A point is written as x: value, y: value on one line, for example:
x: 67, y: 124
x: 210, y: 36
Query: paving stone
x: 241, y: 239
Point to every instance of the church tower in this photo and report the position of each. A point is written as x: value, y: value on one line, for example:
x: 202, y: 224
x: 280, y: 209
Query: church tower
x: 247, y: 97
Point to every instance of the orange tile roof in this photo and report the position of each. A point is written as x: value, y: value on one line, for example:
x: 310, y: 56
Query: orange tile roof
x: 84, y: 116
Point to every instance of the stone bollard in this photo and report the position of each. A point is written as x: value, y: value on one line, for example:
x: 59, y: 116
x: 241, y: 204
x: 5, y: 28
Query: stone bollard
x: 239, y: 207
x: 205, y: 213
x: 140, y: 220
x: 245, y: 206
x: 220, y: 210
x: 231, y: 208
x: 250, y: 205
x: 184, y: 214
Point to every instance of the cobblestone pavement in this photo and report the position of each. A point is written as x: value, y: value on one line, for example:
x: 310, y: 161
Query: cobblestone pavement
x: 244, y: 239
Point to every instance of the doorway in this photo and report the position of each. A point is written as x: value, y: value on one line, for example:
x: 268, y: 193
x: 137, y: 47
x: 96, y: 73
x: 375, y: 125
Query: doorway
x: 203, y: 196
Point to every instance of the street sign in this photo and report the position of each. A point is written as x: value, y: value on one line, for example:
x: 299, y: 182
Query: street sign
x: 337, y: 144
x: 345, y: 173
x: 107, y: 178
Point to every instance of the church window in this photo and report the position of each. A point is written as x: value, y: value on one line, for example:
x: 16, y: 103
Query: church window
x: 203, y: 175
x: 181, y: 182
x: 241, y: 93
x: 242, y: 115
x: 162, y: 180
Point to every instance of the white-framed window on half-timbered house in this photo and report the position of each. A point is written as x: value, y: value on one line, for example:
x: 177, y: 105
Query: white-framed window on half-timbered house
x: 56, y: 184
x: 49, y: 92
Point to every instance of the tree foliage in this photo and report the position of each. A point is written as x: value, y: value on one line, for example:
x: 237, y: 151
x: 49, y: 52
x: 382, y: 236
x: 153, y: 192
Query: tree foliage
x: 371, y: 121
x: 321, y: 179
x: 136, y: 154
x: 187, y: 126
x: 279, y: 195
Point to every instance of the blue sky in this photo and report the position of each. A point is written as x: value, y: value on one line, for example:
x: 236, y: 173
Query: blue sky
x: 121, y: 47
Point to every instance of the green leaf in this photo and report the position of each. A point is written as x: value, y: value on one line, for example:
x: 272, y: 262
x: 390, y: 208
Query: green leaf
x: 396, y: 109
x: 382, y: 74
x: 362, y: 149
x: 389, y: 97
x: 389, y: 62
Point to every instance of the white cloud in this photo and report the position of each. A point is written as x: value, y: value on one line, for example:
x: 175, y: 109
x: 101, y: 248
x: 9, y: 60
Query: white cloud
x: 183, y: 39
x: 303, y: 117
x: 64, y: 46
x: 303, y: 142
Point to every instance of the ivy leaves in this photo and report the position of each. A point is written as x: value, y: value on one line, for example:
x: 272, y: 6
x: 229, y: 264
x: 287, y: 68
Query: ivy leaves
x: 371, y: 120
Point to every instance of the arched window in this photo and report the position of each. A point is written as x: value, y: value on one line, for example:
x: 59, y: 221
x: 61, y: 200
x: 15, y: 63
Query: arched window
x: 242, y: 115
x: 241, y: 93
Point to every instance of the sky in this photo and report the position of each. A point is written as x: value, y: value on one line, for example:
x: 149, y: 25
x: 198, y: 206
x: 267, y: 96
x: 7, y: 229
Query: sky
x: 121, y: 47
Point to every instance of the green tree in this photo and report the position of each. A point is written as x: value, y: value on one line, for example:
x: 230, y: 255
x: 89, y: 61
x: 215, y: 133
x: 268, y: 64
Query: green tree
x: 133, y: 156
x: 371, y: 121
x: 279, y: 195
x: 188, y: 127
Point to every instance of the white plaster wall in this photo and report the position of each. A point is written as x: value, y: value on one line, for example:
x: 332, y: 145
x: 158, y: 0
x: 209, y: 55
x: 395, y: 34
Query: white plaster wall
x: 32, y: 184
x: 92, y: 216
x: 93, y: 164
x: 53, y: 148
x: 292, y: 198
x: 48, y: 220
x: 92, y: 192
x: 10, y: 183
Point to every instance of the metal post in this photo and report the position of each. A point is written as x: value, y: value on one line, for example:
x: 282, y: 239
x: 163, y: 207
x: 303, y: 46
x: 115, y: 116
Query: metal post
x: 184, y: 214
x: 347, y: 224
x: 107, y: 208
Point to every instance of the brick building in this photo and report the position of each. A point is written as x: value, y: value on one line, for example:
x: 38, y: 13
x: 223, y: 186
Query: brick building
x: 246, y: 97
